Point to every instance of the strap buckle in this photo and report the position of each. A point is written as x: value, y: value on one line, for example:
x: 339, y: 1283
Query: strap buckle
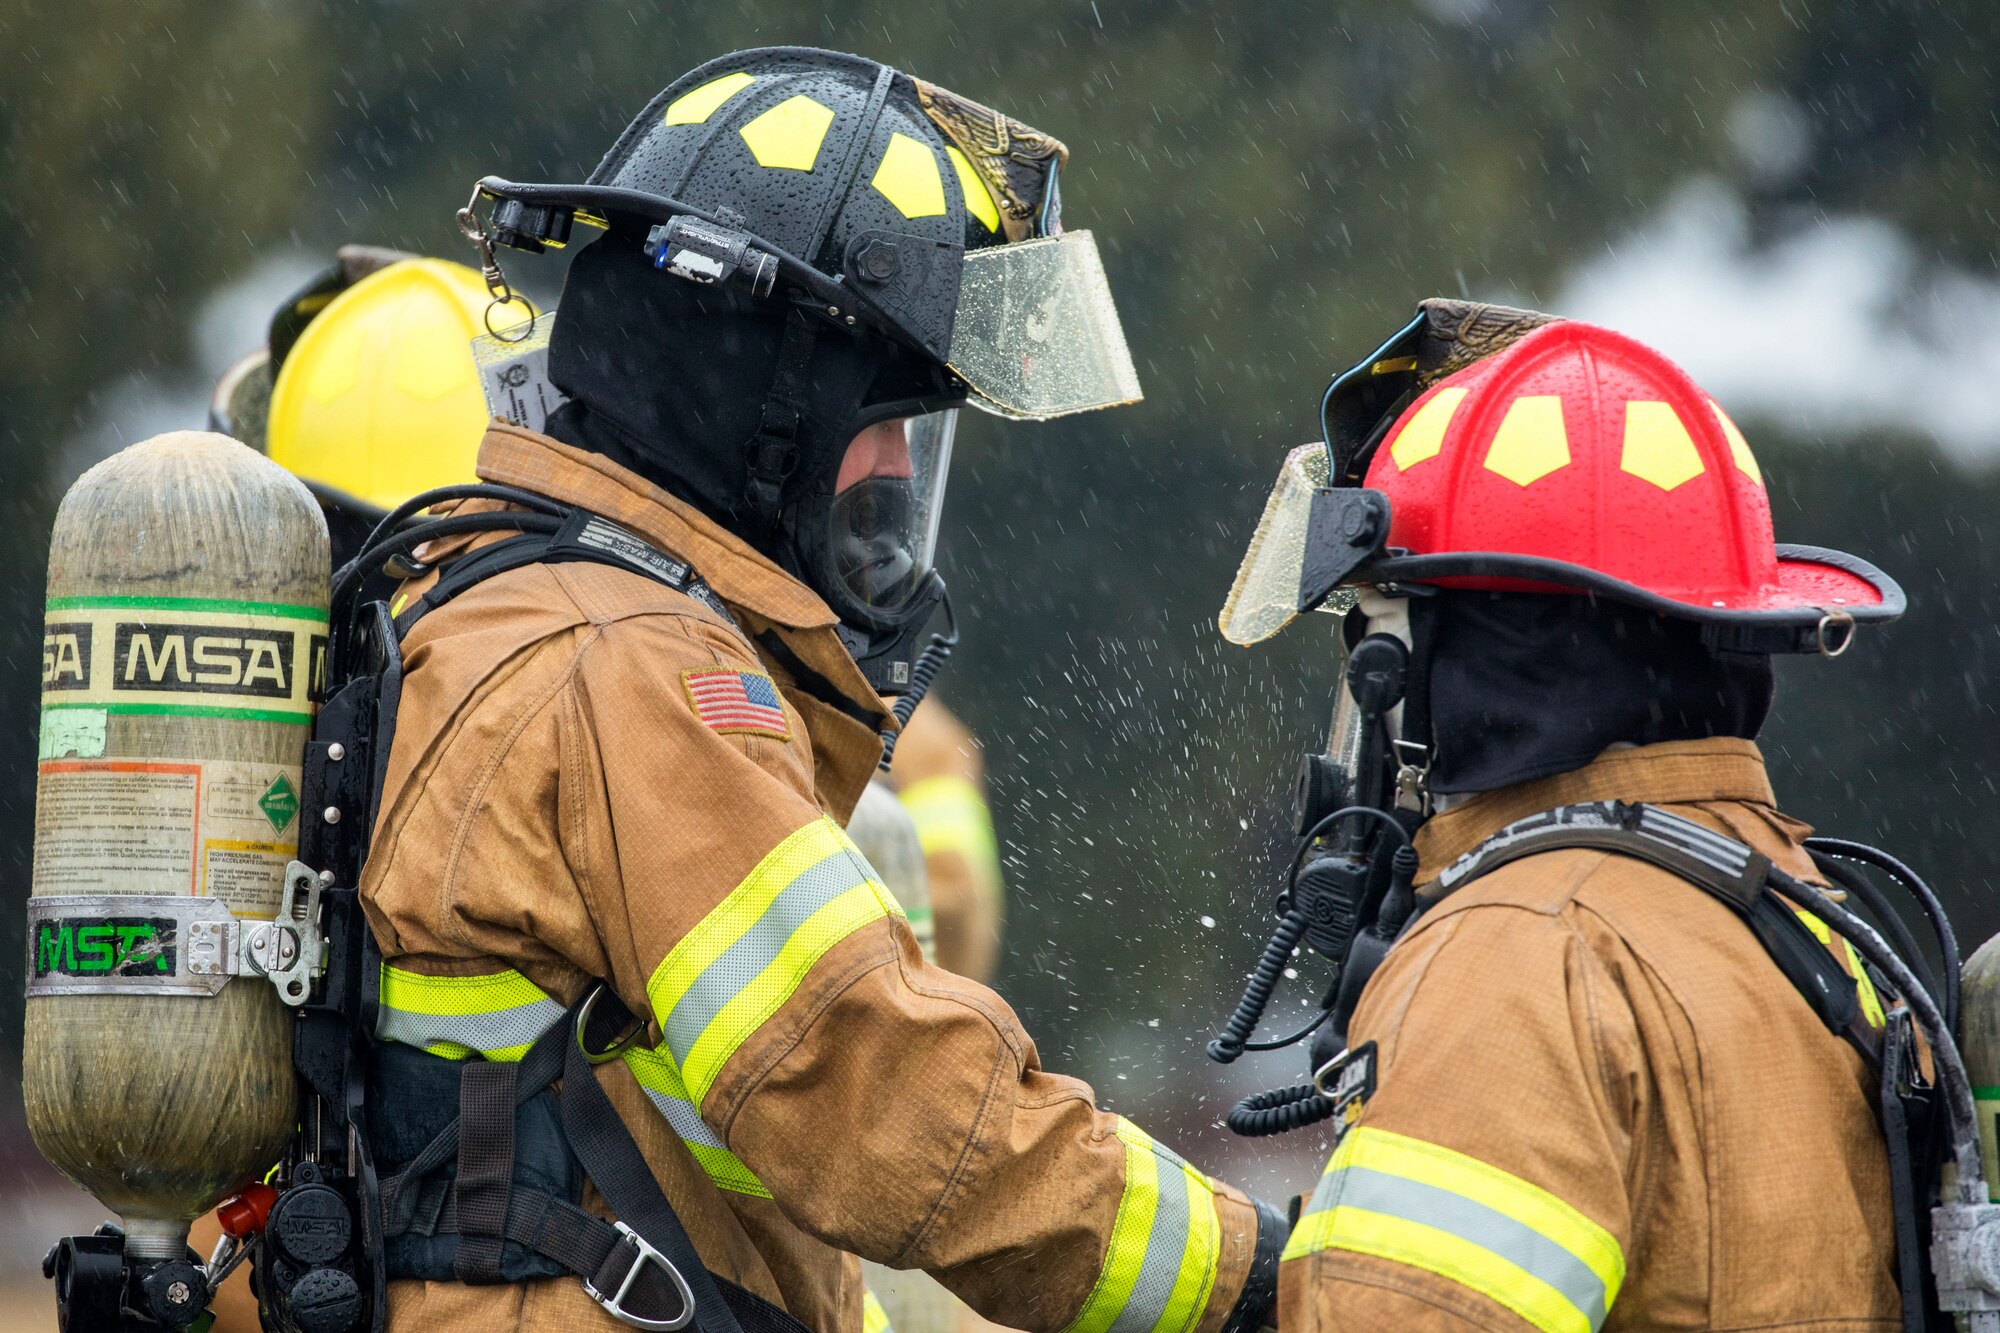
x: 642, y: 1254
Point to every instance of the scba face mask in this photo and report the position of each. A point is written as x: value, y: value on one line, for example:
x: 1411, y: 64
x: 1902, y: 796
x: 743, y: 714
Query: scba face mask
x: 882, y: 527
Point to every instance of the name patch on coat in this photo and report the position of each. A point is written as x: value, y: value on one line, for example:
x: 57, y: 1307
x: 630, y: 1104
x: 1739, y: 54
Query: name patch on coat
x: 731, y: 701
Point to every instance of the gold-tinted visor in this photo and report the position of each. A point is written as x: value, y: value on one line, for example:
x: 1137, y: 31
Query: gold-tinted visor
x: 1036, y: 334
x: 1265, y: 596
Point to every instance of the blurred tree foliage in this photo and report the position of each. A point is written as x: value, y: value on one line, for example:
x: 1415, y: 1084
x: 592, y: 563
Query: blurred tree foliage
x: 1274, y: 184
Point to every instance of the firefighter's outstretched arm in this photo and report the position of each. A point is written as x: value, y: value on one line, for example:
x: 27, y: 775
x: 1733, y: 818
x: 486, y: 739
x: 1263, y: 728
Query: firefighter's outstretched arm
x: 892, y: 1109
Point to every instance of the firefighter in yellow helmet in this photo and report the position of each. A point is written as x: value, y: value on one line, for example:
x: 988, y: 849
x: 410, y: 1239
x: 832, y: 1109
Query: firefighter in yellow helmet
x: 365, y: 388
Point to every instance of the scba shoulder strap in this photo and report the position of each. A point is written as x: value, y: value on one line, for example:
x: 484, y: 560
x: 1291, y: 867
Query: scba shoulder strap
x: 582, y: 536
x: 1883, y: 1032
x: 1727, y: 870
x: 471, y: 1183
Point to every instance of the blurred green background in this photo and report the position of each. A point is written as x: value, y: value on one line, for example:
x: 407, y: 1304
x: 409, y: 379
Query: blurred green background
x: 1797, y: 201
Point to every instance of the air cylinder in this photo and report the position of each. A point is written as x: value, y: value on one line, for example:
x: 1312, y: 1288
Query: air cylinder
x: 1979, y: 1005
x: 887, y: 836
x: 182, y: 656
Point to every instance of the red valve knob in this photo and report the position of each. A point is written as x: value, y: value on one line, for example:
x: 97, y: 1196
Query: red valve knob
x: 243, y: 1215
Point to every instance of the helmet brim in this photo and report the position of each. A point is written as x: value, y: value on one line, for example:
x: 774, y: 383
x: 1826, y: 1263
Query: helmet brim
x: 1818, y: 597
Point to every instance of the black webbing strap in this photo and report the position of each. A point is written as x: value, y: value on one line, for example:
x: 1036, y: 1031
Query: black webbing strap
x: 816, y: 685
x: 614, y: 1165
x: 581, y: 536
x: 642, y: 1268
x: 774, y: 449
x: 1899, y: 1054
x: 484, y: 1186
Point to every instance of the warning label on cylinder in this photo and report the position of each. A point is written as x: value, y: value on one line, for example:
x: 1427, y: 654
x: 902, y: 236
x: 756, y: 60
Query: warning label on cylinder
x: 221, y: 829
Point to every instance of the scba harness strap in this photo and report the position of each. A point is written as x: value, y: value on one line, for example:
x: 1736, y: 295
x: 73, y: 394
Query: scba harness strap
x: 491, y: 1193
x: 1883, y: 1031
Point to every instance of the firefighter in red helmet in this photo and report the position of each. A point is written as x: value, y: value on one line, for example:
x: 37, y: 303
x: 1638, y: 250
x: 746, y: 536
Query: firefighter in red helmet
x: 1601, y: 1054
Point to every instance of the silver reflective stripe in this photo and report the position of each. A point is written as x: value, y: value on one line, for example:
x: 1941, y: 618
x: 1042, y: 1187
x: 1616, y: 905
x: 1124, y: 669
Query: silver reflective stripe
x: 1427, y: 1205
x: 1165, y: 1248
x: 684, y: 1119
x: 758, y: 947
x: 499, y: 1030
x: 1712, y: 847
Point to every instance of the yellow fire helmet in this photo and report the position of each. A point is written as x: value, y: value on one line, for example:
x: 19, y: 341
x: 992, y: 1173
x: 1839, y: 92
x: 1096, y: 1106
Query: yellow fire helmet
x: 379, y: 398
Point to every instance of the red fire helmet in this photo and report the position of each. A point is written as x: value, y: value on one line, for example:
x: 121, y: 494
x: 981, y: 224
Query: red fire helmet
x: 1577, y: 459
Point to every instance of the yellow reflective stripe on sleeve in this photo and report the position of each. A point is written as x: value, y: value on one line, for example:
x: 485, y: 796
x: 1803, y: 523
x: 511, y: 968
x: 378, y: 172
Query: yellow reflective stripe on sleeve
x: 952, y: 816
x: 742, y: 961
x: 497, y: 1015
x: 1871, y: 1003
x: 874, y: 1319
x: 1166, y: 1242
x: 661, y: 1083
x: 1443, y: 1212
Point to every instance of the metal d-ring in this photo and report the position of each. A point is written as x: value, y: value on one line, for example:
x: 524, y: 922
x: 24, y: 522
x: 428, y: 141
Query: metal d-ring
x: 1841, y: 621
x: 617, y: 1048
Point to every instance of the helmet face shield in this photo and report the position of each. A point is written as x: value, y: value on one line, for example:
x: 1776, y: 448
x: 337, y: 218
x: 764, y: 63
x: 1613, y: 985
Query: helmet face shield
x: 1036, y: 335
x: 883, y: 523
x: 1265, y: 597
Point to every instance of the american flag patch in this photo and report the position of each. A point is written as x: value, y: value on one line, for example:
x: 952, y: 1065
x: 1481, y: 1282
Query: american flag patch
x: 737, y: 701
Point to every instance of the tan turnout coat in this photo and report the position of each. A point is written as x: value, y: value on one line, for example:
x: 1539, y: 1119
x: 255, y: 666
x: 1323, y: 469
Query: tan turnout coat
x: 1599, y: 1103
x: 561, y: 806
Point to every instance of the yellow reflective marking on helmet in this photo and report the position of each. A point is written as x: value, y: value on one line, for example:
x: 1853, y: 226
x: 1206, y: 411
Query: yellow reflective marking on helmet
x: 694, y: 108
x: 1739, y: 448
x: 978, y: 199
x: 1531, y: 441
x: 908, y: 178
x: 1422, y: 435
x: 789, y: 135
x: 1657, y: 445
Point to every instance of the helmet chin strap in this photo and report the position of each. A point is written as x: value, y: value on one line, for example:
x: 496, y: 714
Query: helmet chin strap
x: 1411, y: 745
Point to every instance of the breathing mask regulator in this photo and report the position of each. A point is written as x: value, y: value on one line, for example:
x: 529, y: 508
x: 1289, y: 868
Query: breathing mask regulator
x: 1350, y: 889
x: 888, y: 251
x: 1497, y: 451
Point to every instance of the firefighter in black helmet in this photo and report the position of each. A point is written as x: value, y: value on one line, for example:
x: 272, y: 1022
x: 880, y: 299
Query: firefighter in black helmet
x: 627, y: 759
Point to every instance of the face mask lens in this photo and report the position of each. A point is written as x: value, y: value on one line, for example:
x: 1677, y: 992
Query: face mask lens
x: 884, y: 521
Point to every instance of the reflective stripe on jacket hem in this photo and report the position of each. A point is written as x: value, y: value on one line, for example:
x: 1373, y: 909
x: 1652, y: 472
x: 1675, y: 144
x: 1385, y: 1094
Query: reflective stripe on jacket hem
x: 1165, y: 1246
x: 1437, y: 1210
x: 741, y: 962
x: 499, y: 1016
